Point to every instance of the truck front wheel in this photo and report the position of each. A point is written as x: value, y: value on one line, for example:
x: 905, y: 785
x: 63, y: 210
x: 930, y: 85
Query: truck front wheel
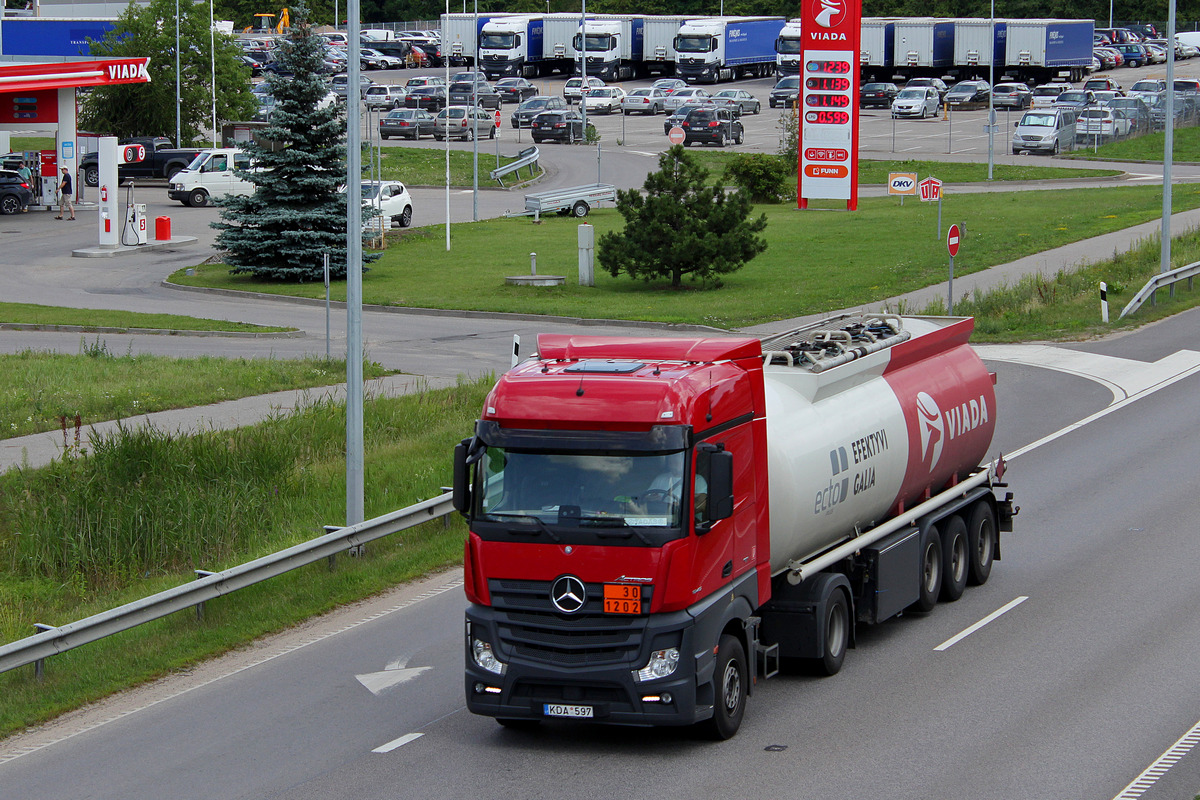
x: 198, y: 198
x: 837, y: 635
x: 730, y: 684
x: 954, y: 559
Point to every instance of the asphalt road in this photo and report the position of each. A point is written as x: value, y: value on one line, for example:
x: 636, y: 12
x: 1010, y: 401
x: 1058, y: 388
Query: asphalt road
x: 1071, y: 693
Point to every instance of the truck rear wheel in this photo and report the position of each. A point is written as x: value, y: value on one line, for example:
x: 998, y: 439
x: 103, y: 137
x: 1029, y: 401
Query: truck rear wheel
x: 730, y: 682
x: 91, y: 176
x: 837, y: 635
x: 955, y: 566
x: 981, y: 543
x: 931, y: 570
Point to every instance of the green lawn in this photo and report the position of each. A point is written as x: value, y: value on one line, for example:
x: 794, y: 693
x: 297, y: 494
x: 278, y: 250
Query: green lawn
x: 91, y: 319
x: 1147, y: 148
x: 816, y: 261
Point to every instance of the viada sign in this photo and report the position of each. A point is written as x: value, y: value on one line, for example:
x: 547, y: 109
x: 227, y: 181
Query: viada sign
x: 828, y: 108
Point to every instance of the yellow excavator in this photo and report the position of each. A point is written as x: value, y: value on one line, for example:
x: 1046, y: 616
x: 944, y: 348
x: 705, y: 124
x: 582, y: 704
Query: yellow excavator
x: 265, y: 25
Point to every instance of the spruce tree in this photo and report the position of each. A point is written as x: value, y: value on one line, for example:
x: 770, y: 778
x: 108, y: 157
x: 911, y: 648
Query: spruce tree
x: 296, y: 213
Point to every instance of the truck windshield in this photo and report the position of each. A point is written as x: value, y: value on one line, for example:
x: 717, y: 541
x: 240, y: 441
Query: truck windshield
x: 787, y: 46
x: 693, y: 44
x: 577, y: 490
x: 498, y: 41
x: 198, y: 161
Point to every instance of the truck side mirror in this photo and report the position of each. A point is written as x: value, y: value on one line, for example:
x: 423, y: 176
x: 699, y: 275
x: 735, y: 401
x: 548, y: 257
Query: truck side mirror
x: 462, y: 478
x: 720, y: 485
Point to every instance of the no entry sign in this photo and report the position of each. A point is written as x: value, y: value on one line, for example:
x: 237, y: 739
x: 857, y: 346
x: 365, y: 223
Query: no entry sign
x: 952, y: 240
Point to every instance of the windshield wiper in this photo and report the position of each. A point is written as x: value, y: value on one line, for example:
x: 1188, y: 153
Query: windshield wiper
x: 625, y: 529
x: 541, y: 526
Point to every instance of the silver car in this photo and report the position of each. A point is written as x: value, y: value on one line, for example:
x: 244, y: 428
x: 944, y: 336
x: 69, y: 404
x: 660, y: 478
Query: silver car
x: 464, y: 122
x: 644, y: 101
x: 689, y: 94
x: 917, y: 101
x: 743, y: 101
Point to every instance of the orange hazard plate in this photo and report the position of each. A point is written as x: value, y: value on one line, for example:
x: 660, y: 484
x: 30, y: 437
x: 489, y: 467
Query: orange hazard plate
x: 622, y: 598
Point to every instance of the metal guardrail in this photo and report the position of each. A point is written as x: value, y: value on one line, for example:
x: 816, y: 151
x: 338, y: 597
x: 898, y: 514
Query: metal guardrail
x: 54, y: 640
x: 526, y: 158
x: 1162, y: 279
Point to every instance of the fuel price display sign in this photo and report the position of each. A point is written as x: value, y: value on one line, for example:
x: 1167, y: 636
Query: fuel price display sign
x: 828, y: 124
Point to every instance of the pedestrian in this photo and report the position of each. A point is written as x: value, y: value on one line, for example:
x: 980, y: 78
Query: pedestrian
x: 26, y: 174
x: 66, y: 195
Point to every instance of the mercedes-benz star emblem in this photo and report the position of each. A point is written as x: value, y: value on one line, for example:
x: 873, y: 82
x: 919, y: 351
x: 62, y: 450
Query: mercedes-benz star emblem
x: 568, y: 594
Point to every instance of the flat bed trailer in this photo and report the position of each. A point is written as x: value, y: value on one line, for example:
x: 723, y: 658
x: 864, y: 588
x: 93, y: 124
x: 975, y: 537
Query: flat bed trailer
x: 575, y: 200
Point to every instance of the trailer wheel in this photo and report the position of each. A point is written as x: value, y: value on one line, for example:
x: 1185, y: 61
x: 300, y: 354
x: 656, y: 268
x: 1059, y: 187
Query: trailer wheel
x: 955, y: 558
x: 837, y: 635
x: 729, y: 689
x: 580, y: 209
x: 931, y: 570
x: 981, y: 543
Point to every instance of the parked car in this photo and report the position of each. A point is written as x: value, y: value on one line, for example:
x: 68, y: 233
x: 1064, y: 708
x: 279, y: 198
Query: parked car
x: 1045, y: 95
x: 669, y: 85
x: 1110, y: 57
x: 1157, y: 53
x: 675, y: 118
x: 606, y: 99
x: 381, y: 96
x: 15, y: 193
x: 786, y: 92
x: 877, y: 95
x: 523, y: 116
x: 564, y: 125
x: 424, y: 80
x: 339, y: 84
x: 467, y: 77
x: 690, y: 94
x: 373, y: 59
x: 1183, y: 107
x: 430, y: 98
x: 463, y: 93
x: 463, y: 122
x: 1102, y: 124
x: 1045, y: 130
x: 936, y: 83
x: 1102, y: 83
x: 739, y: 99
x: 1187, y: 86
x: 406, y: 123
x: 1102, y: 97
x: 1147, y: 87
x: 917, y: 101
x: 392, y: 200
x: 1136, y: 55
x: 1012, y: 95
x: 515, y: 90
x: 644, y: 101
x: 712, y: 124
x: 1136, y: 109
x: 573, y: 88
x: 1075, y: 98
x: 965, y: 93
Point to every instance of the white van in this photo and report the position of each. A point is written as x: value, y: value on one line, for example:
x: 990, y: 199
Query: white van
x: 211, y: 174
x: 377, y: 35
x: 1045, y: 130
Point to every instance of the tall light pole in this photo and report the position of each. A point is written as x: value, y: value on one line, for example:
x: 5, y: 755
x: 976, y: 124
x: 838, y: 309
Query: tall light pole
x: 446, y: 64
x: 212, y: 62
x: 583, y: 64
x: 178, y: 143
x: 1168, y: 144
x: 991, y: 117
x: 354, y: 337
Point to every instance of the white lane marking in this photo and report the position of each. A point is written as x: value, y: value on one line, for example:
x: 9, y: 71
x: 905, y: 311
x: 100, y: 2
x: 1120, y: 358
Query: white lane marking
x: 393, y: 675
x: 644, y: 153
x: 1175, y: 753
x: 394, y: 743
x: 953, y: 640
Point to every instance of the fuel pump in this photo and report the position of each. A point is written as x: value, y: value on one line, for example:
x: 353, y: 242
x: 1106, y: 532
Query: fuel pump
x: 134, y: 230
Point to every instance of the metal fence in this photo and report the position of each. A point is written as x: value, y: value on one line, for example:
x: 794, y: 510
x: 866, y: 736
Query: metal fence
x: 210, y: 585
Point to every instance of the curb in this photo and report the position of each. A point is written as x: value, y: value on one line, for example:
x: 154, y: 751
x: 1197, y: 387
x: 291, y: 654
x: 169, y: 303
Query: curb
x: 33, y: 326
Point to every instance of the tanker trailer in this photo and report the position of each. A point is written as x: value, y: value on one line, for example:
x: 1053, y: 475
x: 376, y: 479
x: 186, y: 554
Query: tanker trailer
x: 657, y: 522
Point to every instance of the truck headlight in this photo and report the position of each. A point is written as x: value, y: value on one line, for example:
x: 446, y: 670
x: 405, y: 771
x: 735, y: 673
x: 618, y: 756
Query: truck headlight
x: 661, y: 664
x: 485, y: 658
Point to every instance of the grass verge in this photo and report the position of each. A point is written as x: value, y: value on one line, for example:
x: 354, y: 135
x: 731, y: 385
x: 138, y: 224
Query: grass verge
x: 91, y: 319
x: 273, y: 486
x: 1146, y: 148
x: 38, y: 389
x: 816, y: 261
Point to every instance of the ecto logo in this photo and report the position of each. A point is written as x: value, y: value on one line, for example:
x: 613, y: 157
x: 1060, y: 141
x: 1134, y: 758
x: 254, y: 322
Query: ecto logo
x: 829, y: 13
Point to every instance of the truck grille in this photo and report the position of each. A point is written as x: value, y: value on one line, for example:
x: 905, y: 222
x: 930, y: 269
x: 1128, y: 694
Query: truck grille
x: 529, y: 625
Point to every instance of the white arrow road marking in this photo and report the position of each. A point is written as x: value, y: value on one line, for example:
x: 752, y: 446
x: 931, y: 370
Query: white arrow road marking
x: 1124, y: 377
x: 393, y: 675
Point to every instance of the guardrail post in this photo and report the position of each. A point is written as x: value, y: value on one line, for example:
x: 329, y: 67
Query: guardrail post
x: 39, y: 666
x: 201, y: 573
x: 332, y: 560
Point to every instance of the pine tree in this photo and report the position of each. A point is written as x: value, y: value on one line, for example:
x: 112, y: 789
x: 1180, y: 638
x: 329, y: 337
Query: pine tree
x: 681, y: 226
x: 296, y: 213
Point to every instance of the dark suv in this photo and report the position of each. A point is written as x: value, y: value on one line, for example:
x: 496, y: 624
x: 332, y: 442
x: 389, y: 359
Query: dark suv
x: 786, y: 93
x: 486, y: 96
x: 430, y: 98
x: 15, y: 194
x: 523, y: 116
x: 562, y: 126
x: 716, y: 125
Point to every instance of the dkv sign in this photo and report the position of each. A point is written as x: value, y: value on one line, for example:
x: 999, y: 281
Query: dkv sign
x: 902, y: 183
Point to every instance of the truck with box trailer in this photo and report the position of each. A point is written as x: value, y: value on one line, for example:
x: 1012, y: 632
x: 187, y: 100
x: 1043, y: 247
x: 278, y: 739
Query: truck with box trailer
x: 923, y: 45
x: 876, y: 48
x: 613, y: 45
x: 978, y: 46
x: 788, y: 49
x: 558, y: 48
x: 654, y: 523
x: 511, y: 47
x: 1042, y: 50
x: 712, y: 49
x: 658, y: 50
x: 460, y: 36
